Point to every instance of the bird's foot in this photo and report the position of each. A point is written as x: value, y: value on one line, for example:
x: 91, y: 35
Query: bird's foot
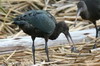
x: 94, y: 46
x: 48, y: 60
x: 34, y: 62
x: 73, y: 49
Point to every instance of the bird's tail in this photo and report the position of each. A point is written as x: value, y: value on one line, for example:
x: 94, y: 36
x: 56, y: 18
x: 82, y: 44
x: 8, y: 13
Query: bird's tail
x: 19, y: 22
x: 16, y: 22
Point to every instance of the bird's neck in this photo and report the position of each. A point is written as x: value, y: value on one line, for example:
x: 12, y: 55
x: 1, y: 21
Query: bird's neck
x: 84, y: 11
x: 55, y: 34
x: 59, y: 29
x: 86, y: 14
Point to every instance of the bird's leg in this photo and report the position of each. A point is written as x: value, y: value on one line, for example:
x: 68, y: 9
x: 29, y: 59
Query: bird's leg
x: 46, y: 49
x: 94, y: 46
x: 33, y: 48
x: 96, y: 29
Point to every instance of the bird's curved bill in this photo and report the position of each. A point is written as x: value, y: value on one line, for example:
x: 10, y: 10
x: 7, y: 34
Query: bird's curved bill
x: 78, y: 13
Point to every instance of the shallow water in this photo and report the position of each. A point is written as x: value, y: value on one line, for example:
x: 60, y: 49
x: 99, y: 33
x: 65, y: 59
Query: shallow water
x: 26, y: 41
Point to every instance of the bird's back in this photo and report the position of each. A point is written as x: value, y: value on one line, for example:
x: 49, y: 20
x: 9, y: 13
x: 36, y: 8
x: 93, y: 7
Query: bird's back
x: 40, y: 19
x: 93, y: 8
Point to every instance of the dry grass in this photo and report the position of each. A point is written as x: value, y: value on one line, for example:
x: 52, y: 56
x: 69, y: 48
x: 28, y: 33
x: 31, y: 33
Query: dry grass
x: 63, y: 10
x: 59, y: 56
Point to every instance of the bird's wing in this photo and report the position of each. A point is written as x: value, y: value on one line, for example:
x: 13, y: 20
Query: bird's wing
x: 52, y: 17
x: 48, y: 14
x: 41, y: 20
x: 93, y: 7
x: 98, y: 7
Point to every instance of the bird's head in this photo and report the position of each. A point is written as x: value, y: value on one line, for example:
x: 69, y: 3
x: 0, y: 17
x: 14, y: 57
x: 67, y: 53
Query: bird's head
x: 82, y: 9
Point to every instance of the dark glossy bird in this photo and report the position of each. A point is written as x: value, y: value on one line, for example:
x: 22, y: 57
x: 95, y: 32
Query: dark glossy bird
x: 40, y: 23
x: 89, y: 10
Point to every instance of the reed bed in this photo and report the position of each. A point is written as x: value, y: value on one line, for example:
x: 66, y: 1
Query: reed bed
x: 60, y: 55
x: 63, y: 10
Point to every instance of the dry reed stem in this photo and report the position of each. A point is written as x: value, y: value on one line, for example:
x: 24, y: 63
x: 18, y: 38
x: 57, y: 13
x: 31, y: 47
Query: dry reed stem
x: 59, y: 55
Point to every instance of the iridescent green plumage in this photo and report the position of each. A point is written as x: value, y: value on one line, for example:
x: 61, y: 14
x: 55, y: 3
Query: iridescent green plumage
x: 40, y: 19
